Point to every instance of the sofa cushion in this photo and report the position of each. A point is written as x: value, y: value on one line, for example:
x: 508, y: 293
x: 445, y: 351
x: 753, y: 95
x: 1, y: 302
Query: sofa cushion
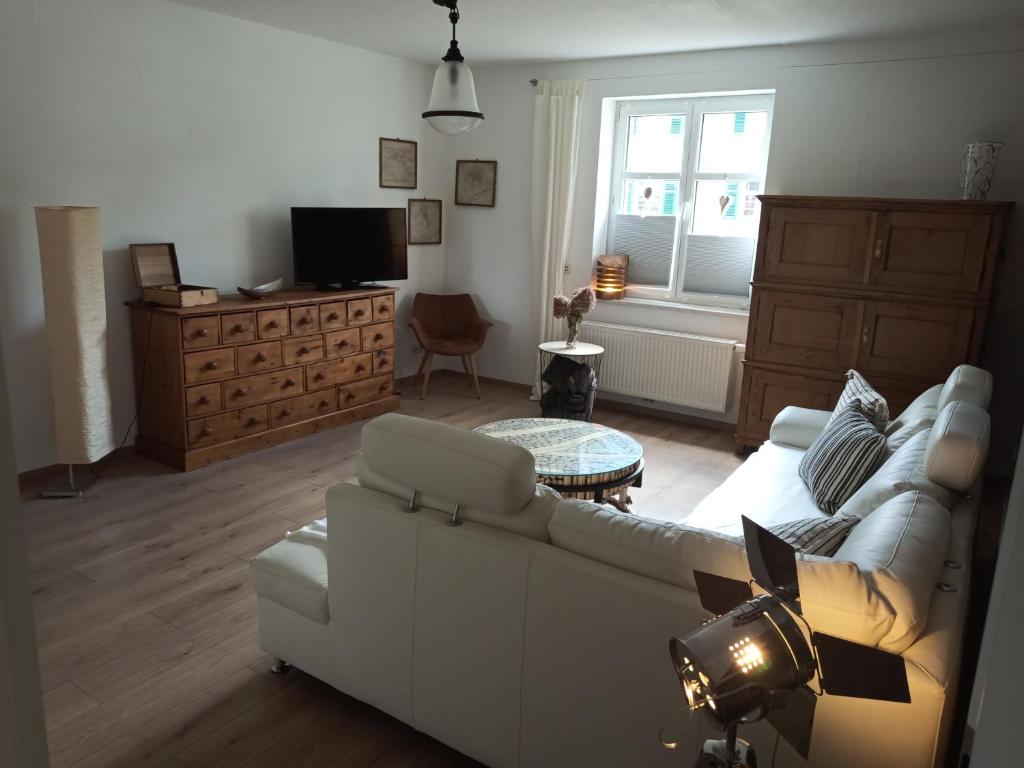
x: 293, y: 573
x: 957, y: 445
x: 842, y: 457
x: 453, y: 465
x: 903, y: 471
x: 765, y: 488
x: 967, y: 383
x: 798, y: 426
x: 858, y: 390
x: 916, y: 417
x: 815, y: 535
x: 661, y: 550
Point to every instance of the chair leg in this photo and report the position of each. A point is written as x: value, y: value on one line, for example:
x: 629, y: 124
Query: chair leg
x: 425, y: 366
x: 476, y: 381
x: 468, y: 368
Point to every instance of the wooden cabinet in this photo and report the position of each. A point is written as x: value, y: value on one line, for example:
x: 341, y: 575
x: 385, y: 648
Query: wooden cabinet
x: 223, y: 379
x: 898, y: 289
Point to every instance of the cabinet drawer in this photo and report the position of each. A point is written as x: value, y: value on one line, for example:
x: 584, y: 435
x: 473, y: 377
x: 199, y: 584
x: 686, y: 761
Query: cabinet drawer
x: 202, y: 399
x: 359, y: 392
x: 262, y: 387
x: 273, y: 323
x: 305, y: 349
x: 342, y: 343
x: 209, y: 365
x: 359, y: 312
x: 333, y: 372
x: 383, y: 360
x: 378, y: 336
x: 804, y: 329
x: 262, y: 356
x: 227, y: 426
x: 926, y: 341
x: 818, y: 245
x: 198, y: 332
x: 333, y: 316
x: 931, y: 251
x: 768, y: 392
x: 305, y: 319
x: 384, y: 308
x: 238, y: 326
x: 303, y: 407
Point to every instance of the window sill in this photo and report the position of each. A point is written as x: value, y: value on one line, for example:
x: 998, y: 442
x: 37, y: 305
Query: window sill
x: 679, y: 306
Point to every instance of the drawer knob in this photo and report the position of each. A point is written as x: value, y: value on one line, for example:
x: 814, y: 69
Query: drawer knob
x: 203, y: 400
x: 383, y: 388
x: 200, y: 333
x: 304, y: 320
x: 289, y: 382
x: 378, y: 337
x: 360, y: 368
x: 260, y: 357
x: 320, y: 376
x: 324, y: 404
x: 286, y: 411
x: 239, y: 328
x: 252, y: 422
x: 343, y: 343
x: 206, y: 431
x: 241, y: 391
x: 350, y: 396
x: 332, y: 316
x: 383, y: 309
x: 384, y: 362
x: 212, y: 365
x: 303, y: 350
x: 360, y: 312
x: 272, y: 324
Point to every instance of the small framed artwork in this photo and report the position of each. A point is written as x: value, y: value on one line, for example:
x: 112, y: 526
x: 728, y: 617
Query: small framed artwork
x: 424, y: 222
x: 397, y: 163
x: 475, y: 182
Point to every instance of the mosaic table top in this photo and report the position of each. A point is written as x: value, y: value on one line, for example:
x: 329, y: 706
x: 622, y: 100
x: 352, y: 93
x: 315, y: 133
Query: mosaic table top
x: 563, y: 447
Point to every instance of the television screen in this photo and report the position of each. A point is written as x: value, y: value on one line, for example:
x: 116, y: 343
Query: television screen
x: 348, y: 246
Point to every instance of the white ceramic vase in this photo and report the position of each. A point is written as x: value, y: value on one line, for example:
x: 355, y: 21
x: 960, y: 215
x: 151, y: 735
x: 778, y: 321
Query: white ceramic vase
x: 979, y: 165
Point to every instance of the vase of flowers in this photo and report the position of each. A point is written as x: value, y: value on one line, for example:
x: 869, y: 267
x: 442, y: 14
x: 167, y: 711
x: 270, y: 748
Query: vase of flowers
x: 573, y: 309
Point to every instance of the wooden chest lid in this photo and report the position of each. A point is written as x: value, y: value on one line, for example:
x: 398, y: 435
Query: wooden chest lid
x: 156, y: 264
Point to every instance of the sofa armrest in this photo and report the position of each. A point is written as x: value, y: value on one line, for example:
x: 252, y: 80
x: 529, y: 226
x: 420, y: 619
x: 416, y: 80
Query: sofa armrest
x: 798, y: 427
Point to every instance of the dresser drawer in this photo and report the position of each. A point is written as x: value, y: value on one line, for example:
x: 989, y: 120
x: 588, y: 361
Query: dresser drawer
x: 202, y: 399
x: 359, y: 311
x: 383, y: 361
x: 384, y: 308
x: 305, y: 349
x: 273, y: 323
x: 333, y: 316
x: 209, y: 365
x: 198, y: 332
x: 305, y: 319
x: 262, y: 356
x: 378, y: 336
x: 342, y: 343
x: 359, y: 392
x: 227, y: 426
x: 262, y: 387
x: 333, y: 372
x: 303, y: 407
x: 238, y: 326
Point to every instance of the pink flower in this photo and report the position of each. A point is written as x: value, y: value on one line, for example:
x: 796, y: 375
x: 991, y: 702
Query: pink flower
x: 560, y: 307
x: 583, y: 300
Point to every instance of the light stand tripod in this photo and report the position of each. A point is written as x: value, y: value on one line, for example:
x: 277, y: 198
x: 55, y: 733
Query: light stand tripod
x: 729, y: 752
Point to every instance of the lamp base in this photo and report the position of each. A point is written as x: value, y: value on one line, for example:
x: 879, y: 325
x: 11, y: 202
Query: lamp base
x: 70, y: 491
x: 718, y: 754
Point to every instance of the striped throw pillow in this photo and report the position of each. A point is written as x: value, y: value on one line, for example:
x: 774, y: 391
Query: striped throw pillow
x: 842, y: 457
x: 816, y: 535
x: 857, y: 390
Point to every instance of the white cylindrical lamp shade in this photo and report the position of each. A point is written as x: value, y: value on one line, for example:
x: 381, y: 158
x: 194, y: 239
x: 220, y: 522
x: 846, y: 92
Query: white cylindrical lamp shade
x: 453, y: 107
x: 71, y: 256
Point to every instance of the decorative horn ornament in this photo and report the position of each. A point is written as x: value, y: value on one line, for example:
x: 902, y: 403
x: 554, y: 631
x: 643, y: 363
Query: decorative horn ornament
x: 453, y: 107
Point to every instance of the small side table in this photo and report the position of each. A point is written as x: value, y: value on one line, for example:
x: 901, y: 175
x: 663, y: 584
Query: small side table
x: 591, y: 354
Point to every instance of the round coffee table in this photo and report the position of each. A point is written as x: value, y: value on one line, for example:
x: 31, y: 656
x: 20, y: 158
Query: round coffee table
x: 579, y: 459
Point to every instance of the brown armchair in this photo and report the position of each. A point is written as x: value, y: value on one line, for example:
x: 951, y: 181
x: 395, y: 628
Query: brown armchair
x: 448, y: 325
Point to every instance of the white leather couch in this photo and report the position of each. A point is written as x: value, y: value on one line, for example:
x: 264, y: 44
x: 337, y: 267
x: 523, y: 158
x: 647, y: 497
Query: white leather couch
x: 536, y: 633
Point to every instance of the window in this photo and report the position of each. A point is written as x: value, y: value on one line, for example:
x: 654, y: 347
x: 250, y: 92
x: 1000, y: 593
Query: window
x: 683, y: 205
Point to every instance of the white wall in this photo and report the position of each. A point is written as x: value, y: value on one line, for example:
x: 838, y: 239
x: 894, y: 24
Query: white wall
x: 887, y: 119
x: 189, y: 127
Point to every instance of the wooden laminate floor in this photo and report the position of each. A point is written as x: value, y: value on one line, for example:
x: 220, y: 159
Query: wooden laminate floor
x: 146, y: 623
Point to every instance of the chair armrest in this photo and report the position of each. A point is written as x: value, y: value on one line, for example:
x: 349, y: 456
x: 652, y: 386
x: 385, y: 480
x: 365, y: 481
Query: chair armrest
x: 479, y: 329
x: 421, y: 335
x: 798, y: 426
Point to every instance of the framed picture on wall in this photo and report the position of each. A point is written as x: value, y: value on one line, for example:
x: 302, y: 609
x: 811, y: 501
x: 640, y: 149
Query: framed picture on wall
x: 475, y: 182
x: 424, y: 222
x: 397, y: 164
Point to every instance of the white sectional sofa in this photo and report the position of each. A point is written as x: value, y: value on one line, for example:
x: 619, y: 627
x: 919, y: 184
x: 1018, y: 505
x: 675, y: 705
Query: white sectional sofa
x: 536, y: 633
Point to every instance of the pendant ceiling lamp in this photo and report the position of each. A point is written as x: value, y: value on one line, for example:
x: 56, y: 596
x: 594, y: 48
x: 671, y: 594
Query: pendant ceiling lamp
x: 453, y: 108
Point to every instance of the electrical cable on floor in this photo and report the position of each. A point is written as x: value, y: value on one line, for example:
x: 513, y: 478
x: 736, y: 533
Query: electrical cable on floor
x: 774, y: 750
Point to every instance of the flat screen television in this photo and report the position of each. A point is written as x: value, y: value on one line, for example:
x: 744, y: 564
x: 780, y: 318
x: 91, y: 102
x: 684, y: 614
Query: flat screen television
x: 345, y: 247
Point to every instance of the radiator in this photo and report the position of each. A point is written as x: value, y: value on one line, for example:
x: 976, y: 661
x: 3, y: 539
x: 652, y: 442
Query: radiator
x: 665, y: 366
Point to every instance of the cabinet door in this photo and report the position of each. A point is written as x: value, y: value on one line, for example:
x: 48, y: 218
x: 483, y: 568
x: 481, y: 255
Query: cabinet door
x: 818, y: 245
x: 805, y: 330
x: 931, y: 251
x: 765, y: 393
x: 925, y: 341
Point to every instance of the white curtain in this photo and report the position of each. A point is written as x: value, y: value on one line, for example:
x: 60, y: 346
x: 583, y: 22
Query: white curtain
x: 556, y: 142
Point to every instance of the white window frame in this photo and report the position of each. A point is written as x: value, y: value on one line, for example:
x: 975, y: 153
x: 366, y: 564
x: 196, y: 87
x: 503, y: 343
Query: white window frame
x: 693, y: 109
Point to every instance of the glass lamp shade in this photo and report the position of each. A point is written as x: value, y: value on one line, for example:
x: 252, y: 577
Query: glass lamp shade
x: 453, y: 108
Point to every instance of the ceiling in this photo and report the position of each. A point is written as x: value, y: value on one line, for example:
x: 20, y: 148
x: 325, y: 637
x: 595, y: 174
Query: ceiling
x: 550, y: 30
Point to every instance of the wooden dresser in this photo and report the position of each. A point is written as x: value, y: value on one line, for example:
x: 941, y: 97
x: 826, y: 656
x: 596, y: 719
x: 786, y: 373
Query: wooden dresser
x: 223, y: 379
x: 898, y: 289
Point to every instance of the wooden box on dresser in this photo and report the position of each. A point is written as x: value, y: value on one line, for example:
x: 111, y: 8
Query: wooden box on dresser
x: 898, y: 289
x: 220, y: 380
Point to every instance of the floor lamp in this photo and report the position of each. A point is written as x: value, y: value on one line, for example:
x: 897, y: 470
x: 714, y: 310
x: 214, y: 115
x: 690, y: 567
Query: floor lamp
x: 71, y: 256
